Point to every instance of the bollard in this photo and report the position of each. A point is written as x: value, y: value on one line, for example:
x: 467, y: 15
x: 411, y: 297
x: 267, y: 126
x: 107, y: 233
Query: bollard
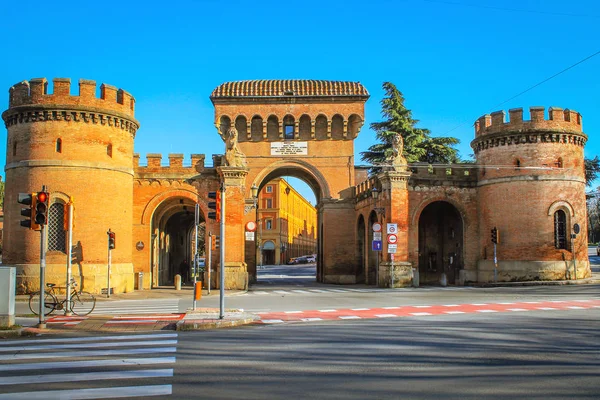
x: 415, y: 277
x: 198, y: 290
x: 177, y: 282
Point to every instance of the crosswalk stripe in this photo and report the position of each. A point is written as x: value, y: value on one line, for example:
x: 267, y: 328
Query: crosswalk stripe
x: 65, y: 354
x: 22, y: 366
x: 85, y: 345
x: 87, y: 376
x: 88, y: 363
x: 99, y: 393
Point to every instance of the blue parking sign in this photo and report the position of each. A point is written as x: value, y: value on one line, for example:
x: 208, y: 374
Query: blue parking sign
x: 377, y: 245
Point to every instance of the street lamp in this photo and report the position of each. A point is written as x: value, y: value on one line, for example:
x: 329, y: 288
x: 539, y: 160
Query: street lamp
x: 379, y: 210
x: 254, y: 193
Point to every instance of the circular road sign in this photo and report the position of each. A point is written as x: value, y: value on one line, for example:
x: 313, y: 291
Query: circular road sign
x: 392, y: 239
x: 251, y: 226
x: 376, y: 227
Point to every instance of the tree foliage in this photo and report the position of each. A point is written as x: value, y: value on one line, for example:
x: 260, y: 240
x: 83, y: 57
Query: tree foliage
x: 592, y: 169
x: 419, y: 146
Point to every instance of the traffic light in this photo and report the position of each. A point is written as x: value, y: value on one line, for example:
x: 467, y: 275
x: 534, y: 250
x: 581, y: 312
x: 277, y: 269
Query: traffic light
x: 495, y: 237
x: 214, y: 205
x: 42, y: 204
x: 217, y: 242
x: 28, y: 199
x: 111, y: 239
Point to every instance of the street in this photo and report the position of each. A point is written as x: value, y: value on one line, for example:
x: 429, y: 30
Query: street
x: 534, y: 342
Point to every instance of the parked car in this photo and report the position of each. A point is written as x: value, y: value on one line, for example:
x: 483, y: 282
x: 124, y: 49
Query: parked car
x: 311, y: 259
x: 299, y: 260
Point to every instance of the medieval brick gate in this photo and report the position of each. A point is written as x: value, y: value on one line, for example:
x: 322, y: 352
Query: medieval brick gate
x: 528, y: 181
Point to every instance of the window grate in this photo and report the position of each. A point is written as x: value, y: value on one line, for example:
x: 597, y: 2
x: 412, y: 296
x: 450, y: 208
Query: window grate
x: 56, y: 228
x: 560, y: 230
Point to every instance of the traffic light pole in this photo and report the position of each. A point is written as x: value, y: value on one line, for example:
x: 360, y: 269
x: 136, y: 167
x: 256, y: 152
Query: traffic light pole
x: 495, y: 264
x: 109, y: 265
x: 42, y: 322
x: 209, y: 260
x: 222, y: 253
x: 69, y: 253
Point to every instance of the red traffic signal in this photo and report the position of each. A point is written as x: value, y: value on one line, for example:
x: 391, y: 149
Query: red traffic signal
x: 495, y: 236
x: 42, y: 204
x: 111, y: 239
x: 214, y: 205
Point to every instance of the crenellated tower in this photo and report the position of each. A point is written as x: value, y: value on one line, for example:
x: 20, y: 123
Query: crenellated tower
x: 531, y: 186
x: 80, y: 147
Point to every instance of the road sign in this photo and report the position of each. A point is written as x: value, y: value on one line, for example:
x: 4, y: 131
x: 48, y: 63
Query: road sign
x: 392, y: 239
x: 392, y: 248
x: 377, y: 245
x: 376, y: 235
x: 376, y: 227
x: 392, y: 228
x: 249, y: 236
x: 251, y: 226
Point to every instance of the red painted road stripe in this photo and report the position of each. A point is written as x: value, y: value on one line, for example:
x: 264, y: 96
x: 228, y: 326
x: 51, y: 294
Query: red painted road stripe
x: 411, y: 311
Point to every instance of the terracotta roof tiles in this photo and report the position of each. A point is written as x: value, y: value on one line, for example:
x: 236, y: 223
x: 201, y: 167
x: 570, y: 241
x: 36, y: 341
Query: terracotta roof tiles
x: 288, y: 87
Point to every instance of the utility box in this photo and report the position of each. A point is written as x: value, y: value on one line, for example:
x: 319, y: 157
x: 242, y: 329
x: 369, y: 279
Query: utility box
x: 139, y: 281
x: 8, y: 283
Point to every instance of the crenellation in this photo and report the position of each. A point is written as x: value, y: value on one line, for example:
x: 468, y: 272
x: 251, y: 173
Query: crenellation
x: 35, y: 93
x: 557, y: 121
x: 198, y: 161
x: 38, y: 87
x: 136, y: 160
x: 498, y: 118
x: 536, y: 113
x: 515, y: 115
x: 176, y: 160
x: 154, y: 160
x: 108, y: 92
x: 556, y: 114
x: 62, y: 86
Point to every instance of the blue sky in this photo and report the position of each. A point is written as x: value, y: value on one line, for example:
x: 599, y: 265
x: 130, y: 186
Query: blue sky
x: 453, y: 60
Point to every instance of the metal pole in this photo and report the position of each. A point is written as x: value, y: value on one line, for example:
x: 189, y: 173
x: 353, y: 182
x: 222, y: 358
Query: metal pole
x: 41, y: 321
x: 222, y: 251
x: 109, y: 262
x: 495, y: 265
x: 209, y: 260
x: 69, y: 255
x: 195, y: 265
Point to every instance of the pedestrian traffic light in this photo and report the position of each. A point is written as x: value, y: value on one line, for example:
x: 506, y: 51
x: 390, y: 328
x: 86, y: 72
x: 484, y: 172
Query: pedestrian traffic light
x: 28, y: 199
x: 495, y: 236
x: 214, y: 205
x: 111, y: 239
x: 42, y: 204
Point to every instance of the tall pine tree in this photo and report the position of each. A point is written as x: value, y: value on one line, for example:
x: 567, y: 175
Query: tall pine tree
x: 419, y: 146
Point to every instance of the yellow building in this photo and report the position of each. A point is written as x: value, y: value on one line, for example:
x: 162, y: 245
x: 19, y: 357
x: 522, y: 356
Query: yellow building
x: 287, y: 224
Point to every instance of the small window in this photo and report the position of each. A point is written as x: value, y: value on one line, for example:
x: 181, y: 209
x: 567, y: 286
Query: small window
x: 14, y: 149
x: 518, y: 163
x: 269, y: 189
x: 59, y: 145
x: 109, y: 150
x: 288, y: 132
x: 559, y: 163
x: 560, y: 230
x: 269, y: 203
x: 268, y: 224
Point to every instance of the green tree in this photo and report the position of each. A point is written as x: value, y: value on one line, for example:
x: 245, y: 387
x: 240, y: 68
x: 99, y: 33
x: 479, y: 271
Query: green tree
x: 419, y: 146
x: 592, y: 169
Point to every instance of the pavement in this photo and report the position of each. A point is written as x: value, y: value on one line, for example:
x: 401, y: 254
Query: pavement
x: 199, y: 319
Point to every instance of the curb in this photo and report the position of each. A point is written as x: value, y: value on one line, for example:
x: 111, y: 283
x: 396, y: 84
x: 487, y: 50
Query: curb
x: 205, y: 319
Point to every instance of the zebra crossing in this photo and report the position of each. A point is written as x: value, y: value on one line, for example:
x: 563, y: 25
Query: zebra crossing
x: 305, y: 290
x: 148, y: 306
x: 98, y: 367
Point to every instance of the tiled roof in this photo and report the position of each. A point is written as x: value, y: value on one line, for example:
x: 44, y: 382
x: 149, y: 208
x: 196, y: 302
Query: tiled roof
x: 288, y: 87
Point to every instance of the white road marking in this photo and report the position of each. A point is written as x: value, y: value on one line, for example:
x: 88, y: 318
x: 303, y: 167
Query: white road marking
x: 349, y: 317
x: 454, y: 312
x: 100, y: 393
x: 93, y: 338
x: 419, y: 314
x: 272, y: 321
x: 327, y: 310
x: 484, y: 311
x: 386, y: 315
x: 92, y: 353
x: 86, y: 376
x: 86, y: 345
x: 88, y: 363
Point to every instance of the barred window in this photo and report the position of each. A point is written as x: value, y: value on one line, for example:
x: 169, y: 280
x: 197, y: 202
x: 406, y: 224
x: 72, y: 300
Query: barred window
x: 56, y: 228
x: 560, y: 230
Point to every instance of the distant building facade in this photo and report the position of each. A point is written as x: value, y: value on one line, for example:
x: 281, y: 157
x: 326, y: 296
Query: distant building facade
x: 287, y: 224
x: 528, y: 181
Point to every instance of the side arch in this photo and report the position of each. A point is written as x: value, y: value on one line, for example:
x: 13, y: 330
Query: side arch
x: 151, y: 206
x: 561, y: 204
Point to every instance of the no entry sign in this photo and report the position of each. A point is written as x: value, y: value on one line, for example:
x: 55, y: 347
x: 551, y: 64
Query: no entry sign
x: 392, y: 239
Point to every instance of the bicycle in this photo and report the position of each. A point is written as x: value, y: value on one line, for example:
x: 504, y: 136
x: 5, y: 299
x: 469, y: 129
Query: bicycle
x: 82, y: 303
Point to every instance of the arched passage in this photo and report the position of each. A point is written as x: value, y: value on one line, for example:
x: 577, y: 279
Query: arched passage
x: 173, y: 233
x: 440, y: 243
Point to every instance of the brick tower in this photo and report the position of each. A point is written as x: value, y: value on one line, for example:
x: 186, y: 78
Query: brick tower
x: 531, y: 186
x: 80, y: 147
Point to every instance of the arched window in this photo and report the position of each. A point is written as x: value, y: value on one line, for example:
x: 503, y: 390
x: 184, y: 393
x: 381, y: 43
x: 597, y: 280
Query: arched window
x: 560, y: 230
x: 56, y: 227
x: 59, y: 145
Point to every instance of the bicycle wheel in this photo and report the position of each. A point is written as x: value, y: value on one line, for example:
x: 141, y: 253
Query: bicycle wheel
x: 50, y: 302
x: 82, y: 303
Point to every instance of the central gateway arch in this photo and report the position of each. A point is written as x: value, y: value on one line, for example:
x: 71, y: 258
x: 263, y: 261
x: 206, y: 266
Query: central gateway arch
x: 300, y: 128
